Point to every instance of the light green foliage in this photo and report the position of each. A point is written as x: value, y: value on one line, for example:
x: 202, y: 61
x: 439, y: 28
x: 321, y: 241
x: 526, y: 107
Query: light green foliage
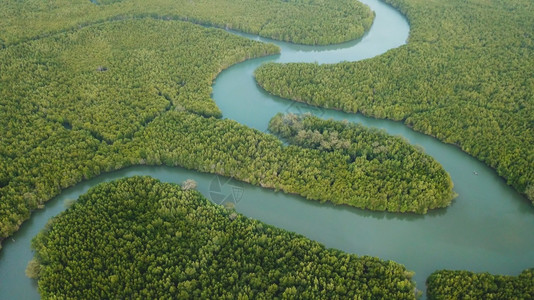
x: 300, y: 21
x: 447, y: 284
x: 390, y: 172
x: 33, y: 269
x: 139, y: 238
x: 189, y: 184
x: 466, y: 76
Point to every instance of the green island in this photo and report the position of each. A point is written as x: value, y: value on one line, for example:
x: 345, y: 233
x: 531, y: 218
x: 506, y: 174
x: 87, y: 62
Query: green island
x: 313, y: 22
x: 466, y: 76
x: 391, y: 174
x: 447, y: 284
x: 140, y: 238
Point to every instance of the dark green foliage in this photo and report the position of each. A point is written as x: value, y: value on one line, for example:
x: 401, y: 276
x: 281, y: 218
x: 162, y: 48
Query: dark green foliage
x: 466, y: 76
x: 301, y: 21
x: 139, y: 238
x: 389, y: 166
x: 447, y: 284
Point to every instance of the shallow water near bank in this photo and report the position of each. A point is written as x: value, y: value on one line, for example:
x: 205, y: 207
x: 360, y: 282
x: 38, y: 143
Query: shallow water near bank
x: 489, y: 227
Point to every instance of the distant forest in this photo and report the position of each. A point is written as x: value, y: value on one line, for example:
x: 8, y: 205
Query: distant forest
x: 312, y: 22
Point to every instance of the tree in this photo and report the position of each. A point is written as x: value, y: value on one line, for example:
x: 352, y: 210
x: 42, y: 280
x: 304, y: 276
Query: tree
x: 189, y: 184
x: 33, y: 269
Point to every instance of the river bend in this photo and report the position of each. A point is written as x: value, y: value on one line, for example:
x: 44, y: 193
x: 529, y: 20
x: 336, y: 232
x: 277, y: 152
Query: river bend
x: 489, y: 227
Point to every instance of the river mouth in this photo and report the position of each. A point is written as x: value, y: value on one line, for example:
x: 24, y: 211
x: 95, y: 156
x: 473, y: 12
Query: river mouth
x: 489, y: 227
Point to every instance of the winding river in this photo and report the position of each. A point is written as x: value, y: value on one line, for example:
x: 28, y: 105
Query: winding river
x: 489, y: 227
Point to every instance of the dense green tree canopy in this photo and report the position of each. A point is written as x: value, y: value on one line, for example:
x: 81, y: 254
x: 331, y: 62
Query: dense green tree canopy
x: 87, y: 88
x: 228, y: 148
x: 301, y: 21
x: 128, y: 92
x: 389, y: 171
x: 448, y: 284
x: 466, y: 76
x: 68, y: 98
x: 139, y: 238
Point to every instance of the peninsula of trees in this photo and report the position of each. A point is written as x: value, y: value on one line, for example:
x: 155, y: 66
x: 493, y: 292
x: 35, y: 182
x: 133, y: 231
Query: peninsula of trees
x: 392, y: 175
x: 140, y: 238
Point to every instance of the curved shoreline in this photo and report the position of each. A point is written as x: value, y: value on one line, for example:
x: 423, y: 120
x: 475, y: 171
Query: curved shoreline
x: 461, y: 236
x: 402, y: 122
